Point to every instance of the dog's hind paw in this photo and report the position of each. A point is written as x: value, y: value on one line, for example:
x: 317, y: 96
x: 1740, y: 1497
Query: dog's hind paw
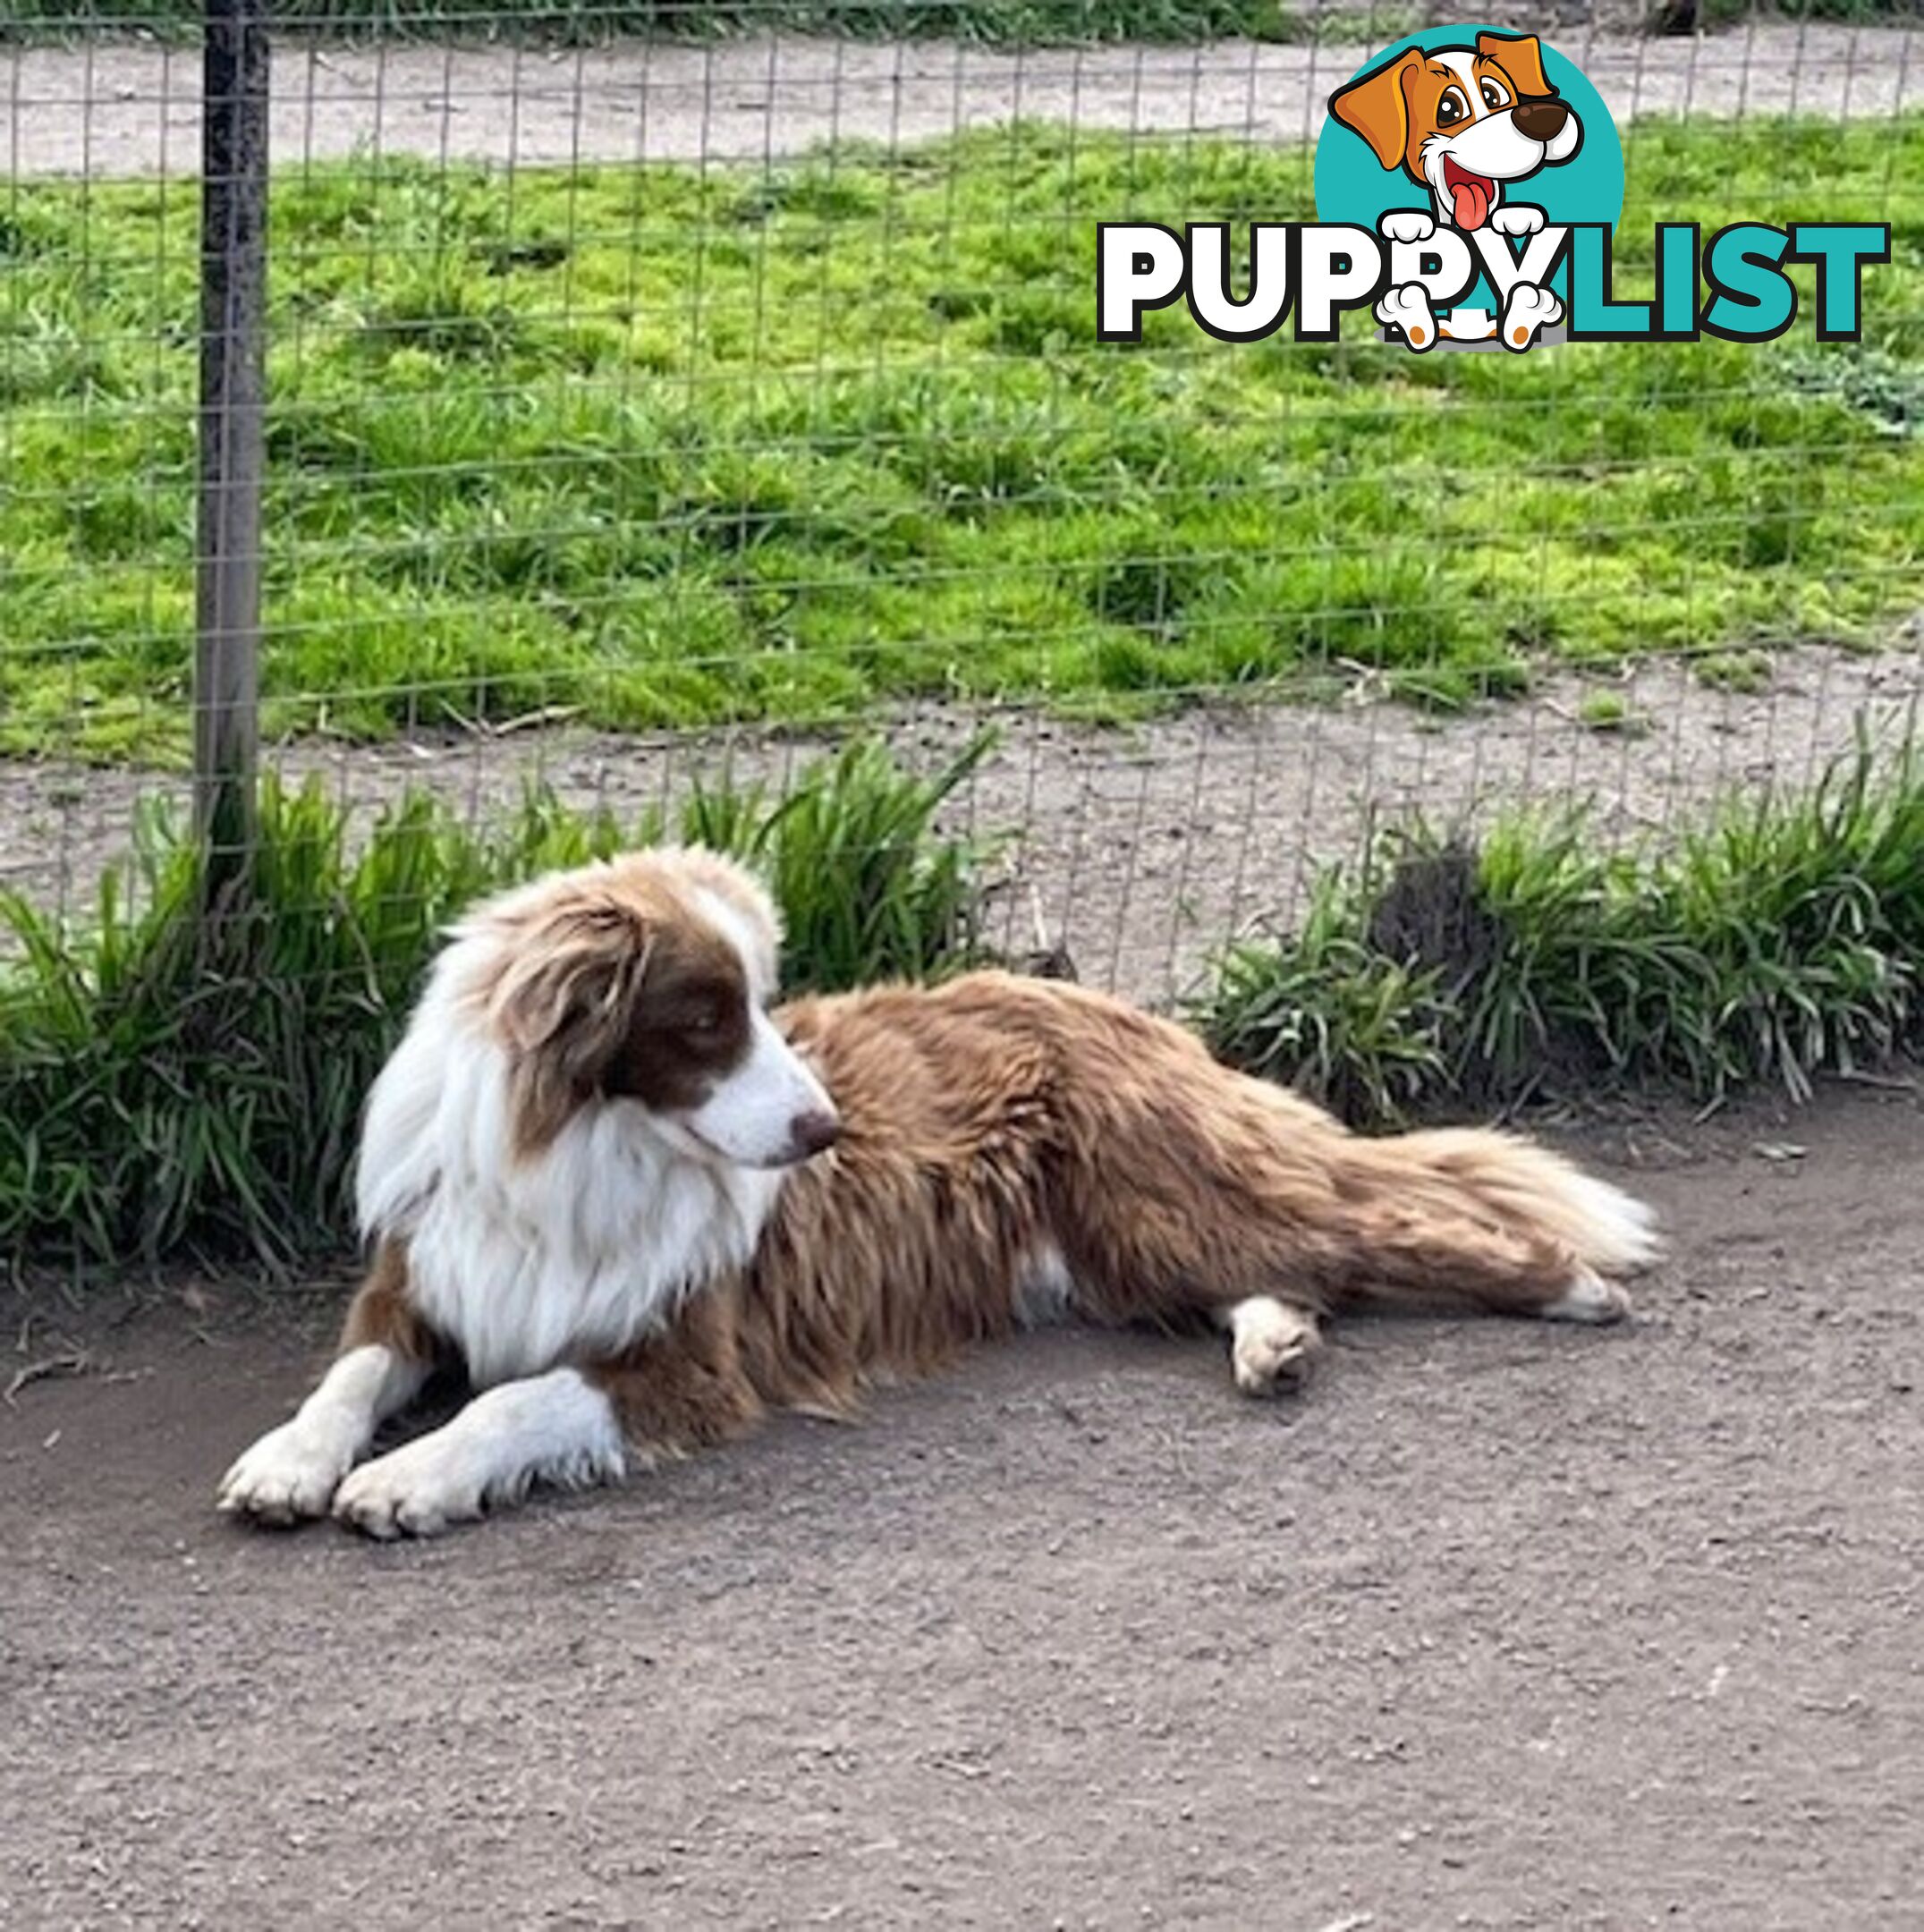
x: 1271, y: 1344
x: 1408, y: 309
x: 1589, y: 1298
x: 1529, y: 311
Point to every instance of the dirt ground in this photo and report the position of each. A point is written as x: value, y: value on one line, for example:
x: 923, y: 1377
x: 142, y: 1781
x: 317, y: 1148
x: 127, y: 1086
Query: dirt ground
x: 1138, y: 849
x: 1495, y: 1625
x: 119, y: 108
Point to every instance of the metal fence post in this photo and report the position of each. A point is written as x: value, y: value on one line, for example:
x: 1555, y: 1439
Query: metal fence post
x: 233, y: 260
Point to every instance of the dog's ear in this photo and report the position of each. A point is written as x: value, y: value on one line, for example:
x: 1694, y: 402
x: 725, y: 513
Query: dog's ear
x: 1520, y: 57
x: 568, y: 994
x: 1375, y: 107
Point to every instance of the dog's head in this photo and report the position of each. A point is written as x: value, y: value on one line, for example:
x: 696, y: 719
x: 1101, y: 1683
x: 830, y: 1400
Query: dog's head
x: 642, y: 983
x: 1462, y: 121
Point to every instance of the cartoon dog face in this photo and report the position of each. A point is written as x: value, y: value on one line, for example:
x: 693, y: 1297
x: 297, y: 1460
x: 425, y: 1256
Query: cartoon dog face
x: 1462, y: 121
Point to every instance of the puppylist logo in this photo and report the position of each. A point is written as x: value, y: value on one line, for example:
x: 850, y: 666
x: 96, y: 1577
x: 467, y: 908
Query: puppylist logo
x: 1468, y: 184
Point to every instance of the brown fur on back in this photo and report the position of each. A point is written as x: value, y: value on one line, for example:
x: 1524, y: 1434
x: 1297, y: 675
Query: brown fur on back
x: 992, y: 1121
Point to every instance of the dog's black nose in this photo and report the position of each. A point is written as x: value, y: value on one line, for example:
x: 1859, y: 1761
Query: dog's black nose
x: 1540, y: 120
x: 814, y: 1132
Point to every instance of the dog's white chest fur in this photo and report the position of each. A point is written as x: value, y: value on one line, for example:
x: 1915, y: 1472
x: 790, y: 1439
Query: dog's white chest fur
x: 525, y: 1263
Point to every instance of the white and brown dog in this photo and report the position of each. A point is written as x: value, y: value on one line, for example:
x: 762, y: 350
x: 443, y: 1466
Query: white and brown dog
x: 639, y: 1209
x: 1464, y: 123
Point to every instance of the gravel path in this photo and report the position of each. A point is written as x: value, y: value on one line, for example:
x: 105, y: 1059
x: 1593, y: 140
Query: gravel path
x: 130, y: 110
x: 1138, y: 850
x: 1497, y: 1626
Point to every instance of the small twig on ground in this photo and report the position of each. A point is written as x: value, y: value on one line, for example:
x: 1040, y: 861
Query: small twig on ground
x: 1675, y: 1149
x: 553, y: 713
x: 74, y: 1362
x: 1368, y: 681
x: 1889, y: 1082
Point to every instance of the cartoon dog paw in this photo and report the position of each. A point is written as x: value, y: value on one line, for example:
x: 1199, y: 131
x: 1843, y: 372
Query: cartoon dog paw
x: 1408, y: 225
x: 1408, y: 309
x: 1528, y: 310
x: 1519, y: 219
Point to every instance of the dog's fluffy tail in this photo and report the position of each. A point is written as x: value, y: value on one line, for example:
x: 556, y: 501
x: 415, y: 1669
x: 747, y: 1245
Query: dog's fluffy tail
x: 1521, y: 1181
x: 1469, y: 1214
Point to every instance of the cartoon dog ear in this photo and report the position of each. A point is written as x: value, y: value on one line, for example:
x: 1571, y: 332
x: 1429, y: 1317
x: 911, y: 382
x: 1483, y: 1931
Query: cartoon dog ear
x: 1374, y: 108
x: 1520, y: 57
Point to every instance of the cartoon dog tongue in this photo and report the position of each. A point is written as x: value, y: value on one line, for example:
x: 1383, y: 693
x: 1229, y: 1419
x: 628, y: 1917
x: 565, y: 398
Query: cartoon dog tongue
x: 1470, y: 195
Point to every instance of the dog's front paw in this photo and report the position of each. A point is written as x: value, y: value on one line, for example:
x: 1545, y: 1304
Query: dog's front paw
x: 1408, y: 309
x: 419, y: 1490
x: 288, y: 1476
x: 1406, y: 225
x: 1518, y: 219
x: 1529, y: 311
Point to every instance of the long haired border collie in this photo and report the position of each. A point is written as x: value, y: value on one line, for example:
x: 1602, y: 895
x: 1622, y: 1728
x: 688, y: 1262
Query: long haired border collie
x: 639, y: 1209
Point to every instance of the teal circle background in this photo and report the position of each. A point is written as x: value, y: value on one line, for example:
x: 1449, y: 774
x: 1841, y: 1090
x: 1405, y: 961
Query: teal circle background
x: 1350, y: 186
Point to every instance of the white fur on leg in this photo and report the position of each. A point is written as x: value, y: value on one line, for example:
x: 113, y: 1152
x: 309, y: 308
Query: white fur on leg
x: 1270, y: 1342
x: 556, y: 1428
x: 291, y: 1472
x: 1589, y: 1298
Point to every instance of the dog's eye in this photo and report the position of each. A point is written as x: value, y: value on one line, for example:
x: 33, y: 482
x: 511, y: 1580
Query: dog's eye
x: 1493, y: 96
x: 708, y: 1020
x: 1451, y: 108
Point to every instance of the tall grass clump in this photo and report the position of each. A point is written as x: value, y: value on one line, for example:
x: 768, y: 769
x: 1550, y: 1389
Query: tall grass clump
x: 170, y: 1086
x: 1778, y: 941
x: 1331, y: 1011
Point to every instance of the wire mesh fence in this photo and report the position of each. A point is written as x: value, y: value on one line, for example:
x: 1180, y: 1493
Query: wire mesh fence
x: 659, y: 392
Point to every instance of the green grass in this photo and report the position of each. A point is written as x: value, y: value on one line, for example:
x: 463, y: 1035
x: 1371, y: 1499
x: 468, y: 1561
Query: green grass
x: 672, y: 447
x: 1610, y: 711
x: 169, y: 1088
x: 1775, y: 943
